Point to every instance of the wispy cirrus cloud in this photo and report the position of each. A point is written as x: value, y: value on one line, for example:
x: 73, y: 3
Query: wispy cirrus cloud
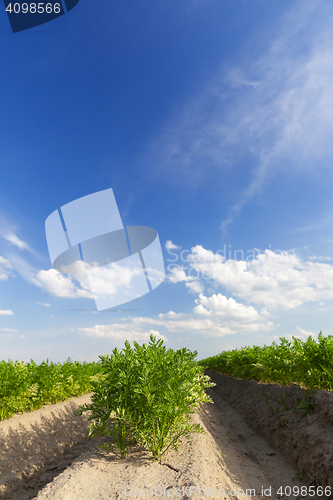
x: 274, y: 109
x: 8, y: 232
x: 6, y: 269
x: 16, y: 241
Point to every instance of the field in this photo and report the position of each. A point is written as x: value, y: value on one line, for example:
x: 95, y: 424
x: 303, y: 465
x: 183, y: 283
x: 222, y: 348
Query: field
x: 28, y: 386
x: 139, y: 410
x: 46, y: 455
x: 308, y: 364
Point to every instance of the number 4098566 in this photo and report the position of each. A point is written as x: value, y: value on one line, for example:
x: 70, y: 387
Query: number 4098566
x: 34, y: 8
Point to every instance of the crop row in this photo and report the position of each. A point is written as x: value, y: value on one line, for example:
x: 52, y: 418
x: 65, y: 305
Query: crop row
x: 146, y: 396
x: 308, y: 363
x: 143, y: 396
x: 28, y: 386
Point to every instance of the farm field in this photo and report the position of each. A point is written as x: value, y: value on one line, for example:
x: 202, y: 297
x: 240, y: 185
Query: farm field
x: 28, y: 386
x: 48, y: 456
x: 257, y: 434
x: 308, y: 364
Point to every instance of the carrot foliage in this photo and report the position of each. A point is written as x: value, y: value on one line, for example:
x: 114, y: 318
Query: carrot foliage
x: 28, y: 386
x: 146, y: 396
x: 308, y: 363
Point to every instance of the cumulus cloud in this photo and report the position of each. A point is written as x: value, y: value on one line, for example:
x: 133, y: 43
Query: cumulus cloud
x: 212, y: 316
x: 171, y: 246
x: 82, y: 282
x: 195, y: 286
x: 225, y: 308
x: 59, y: 285
x: 109, y: 280
x: 8, y: 330
x: 121, y: 331
x: 51, y: 281
x: 171, y: 314
x: 177, y: 275
x: 274, y: 281
x: 6, y: 313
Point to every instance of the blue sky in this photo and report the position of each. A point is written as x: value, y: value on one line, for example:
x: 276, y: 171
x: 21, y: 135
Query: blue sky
x: 212, y: 122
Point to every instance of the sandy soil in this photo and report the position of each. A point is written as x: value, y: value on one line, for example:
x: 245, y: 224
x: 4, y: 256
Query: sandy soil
x: 270, y: 409
x: 36, y: 447
x: 46, y: 455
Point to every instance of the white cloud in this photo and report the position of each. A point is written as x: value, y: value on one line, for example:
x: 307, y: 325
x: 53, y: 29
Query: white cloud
x: 306, y: 333
x: 108, y: 281
x: 60, y: 285
x: 277, y: 108
x: 195, y: 286
x: 274, y: 281
x: 51, y: 281
x: 225, y: 308
x: 171, y: 246
x: 213, y: 316
x: 45, y: 305
x: 5, y: 268
x: 319, y: 257
x: 171, y: 314
x: 8, y: 330
x: 177, y: 275
x: 121, y: 332
x: 15, y: 240
x: 6, y: 313
x: 25, y: 270
x: 237, y: 79
x: 105, y: 281
x: 208, y: 327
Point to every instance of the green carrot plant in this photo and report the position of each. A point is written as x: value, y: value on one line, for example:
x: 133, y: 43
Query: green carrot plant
x: 28, y: 386
x: 308, y: 363
x: 146, y: 396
